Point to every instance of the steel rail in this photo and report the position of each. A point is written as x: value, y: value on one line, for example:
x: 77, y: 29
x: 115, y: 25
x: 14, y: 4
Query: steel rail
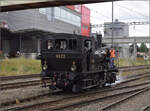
x: 77, y: 96
x: 90, y: 101
x: 38, y: 82
x: 124, y: 99
x: 60, y: 91
x: 146, y: 108
x: 136, y: 77
x: 134, y: 68
x: 4, y: 78
x: 19, y: 84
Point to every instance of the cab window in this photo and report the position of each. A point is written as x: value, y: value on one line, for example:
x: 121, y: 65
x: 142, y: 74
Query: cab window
x: 72, y: 44
x: 50, y: 44
x: 88, y: 44
x: 61, y: 44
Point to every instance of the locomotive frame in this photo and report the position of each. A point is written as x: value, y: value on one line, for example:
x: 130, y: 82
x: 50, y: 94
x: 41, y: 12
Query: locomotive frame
x: 74, y: 62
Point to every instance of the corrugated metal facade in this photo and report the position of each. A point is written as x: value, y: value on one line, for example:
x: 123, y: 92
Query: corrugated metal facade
x: 43, y: 19
x: 48, y: 19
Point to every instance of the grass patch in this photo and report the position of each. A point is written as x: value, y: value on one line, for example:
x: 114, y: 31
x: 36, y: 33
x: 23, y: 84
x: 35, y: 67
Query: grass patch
x: 130, y: 62
x: 19, y: 66
x: 133, y: 72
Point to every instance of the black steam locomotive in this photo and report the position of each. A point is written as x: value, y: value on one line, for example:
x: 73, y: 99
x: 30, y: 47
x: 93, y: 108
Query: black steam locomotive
x: 74, y: 62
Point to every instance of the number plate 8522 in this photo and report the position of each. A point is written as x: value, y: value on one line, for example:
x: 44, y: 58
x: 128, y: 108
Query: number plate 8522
x: 60, y: 56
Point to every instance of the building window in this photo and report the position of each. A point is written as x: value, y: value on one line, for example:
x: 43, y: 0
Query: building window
x: 67, y: 16
x: 42, y: 11
x: 49, y: 13
x: 57, y: 12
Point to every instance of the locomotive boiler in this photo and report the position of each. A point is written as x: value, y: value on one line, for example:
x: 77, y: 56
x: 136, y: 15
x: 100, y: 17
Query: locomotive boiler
x: 74, y: 62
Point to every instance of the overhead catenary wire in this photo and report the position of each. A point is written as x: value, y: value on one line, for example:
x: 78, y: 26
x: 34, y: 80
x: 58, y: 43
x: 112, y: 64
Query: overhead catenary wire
x: 127, y: 10
x: 34, y: 23
x: 132, y: 10
x: 94, y: 17
x: 129, y: 14
x: 97, y: 18
x: 25, y: 16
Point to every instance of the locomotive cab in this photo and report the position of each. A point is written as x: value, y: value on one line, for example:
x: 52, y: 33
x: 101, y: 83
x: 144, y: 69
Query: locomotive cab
x: 69, y: 62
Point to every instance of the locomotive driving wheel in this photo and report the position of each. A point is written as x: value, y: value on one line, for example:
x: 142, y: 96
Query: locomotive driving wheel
x: 76, y: 87
x: 111, y: 77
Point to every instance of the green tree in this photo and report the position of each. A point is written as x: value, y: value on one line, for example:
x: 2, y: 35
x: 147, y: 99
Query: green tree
x: 143, y: 48
x: 138, y: 48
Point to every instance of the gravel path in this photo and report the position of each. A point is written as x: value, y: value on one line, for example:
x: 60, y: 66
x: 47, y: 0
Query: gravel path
x: 102, y: 94
x: 20, y: 93
x: 134, y: 104
x: 97, y: 106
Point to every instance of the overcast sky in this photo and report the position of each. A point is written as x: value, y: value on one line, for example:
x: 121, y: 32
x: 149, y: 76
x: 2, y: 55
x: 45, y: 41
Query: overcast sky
x: 125, y: 11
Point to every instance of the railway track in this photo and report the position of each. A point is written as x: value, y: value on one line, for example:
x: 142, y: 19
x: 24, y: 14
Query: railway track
x: 146, y: 108
x: 134, y: 67
x: 79, y: 99
x: 86, y: 102
x: 118, y: 86
x: 109, y: 106
x: 58, y: 92
x: 5, y: 78
x: 19, y: 84
x: 135, y: 77
x: 6, y: 86
x: 37, y: 82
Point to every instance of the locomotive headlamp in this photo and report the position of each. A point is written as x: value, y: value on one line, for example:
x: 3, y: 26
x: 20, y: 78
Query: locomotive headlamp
x: 45, y: 65
x: 73, y: 67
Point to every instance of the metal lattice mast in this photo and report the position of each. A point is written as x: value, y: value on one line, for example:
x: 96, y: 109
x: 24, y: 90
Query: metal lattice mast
x: 112, y: 22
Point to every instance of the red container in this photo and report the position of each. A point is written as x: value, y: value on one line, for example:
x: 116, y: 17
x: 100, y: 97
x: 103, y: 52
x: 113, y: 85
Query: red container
x: 85, y: 18
x: 85, y: 21
x: 71, y: 7
x: 76, y: 8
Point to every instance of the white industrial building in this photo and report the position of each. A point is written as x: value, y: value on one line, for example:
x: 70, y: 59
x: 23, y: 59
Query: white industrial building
x: 118, y: 29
